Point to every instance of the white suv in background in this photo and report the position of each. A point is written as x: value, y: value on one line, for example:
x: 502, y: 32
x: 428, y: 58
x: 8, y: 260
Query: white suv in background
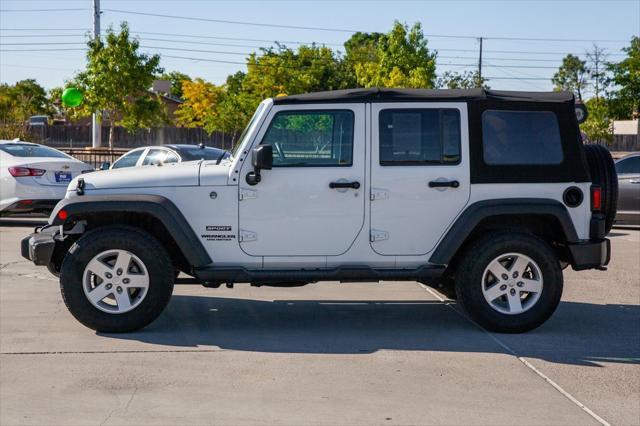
x: 34, y: 177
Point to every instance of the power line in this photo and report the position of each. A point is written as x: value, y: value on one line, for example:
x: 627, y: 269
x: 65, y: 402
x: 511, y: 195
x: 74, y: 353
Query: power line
x: 44, y: 29
x: 297, y: 27
x: 41, y: 35
x: 41, y: 50
x: 224, y: 21
x: 40, y: 43
x: 42, y: 10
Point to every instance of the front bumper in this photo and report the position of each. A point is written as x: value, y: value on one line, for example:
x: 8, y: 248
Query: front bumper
x: 38, y: 247
x: 590, y: 254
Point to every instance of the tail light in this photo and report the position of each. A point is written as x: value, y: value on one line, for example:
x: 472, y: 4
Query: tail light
x: 25, y: 171
x: 596, y: 199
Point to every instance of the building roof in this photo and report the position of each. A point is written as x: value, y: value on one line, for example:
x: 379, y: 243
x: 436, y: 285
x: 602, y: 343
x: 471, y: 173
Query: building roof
x: 421, y: 95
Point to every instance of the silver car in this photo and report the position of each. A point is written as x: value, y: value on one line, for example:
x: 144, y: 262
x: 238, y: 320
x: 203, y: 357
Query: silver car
x: 628, y: 169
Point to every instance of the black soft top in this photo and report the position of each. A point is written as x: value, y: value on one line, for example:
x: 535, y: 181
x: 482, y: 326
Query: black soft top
x: 423, y: 95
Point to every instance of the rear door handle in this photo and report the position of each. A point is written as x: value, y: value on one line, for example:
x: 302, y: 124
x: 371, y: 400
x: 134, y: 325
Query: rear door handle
x: 635, y: 180
x: 335, y: 185
x: 444, y: 184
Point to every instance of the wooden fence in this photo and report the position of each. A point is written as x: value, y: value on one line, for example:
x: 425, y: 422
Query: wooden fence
x: 73, y: 136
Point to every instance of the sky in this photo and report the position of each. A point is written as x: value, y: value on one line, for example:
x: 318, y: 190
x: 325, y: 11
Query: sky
x: 209, y: 48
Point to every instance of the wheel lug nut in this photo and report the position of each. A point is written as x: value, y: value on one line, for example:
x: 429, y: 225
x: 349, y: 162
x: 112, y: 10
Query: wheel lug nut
x: 505, y: 276
x: 515, y: 274
x: 125, y: 281
x: 520, y: 284
x: 503, y: 287
x: 119, y: 289
x: 512, y: 291
x: 108, y: 275
x: 119, y: 271
x: 109, y: 286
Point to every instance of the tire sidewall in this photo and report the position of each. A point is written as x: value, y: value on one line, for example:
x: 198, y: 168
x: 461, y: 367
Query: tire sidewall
x: 147, y: 249
x: 470, y: 288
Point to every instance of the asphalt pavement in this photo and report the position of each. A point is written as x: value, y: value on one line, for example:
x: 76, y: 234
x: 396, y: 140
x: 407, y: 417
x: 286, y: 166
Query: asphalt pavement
x: 328, y: 353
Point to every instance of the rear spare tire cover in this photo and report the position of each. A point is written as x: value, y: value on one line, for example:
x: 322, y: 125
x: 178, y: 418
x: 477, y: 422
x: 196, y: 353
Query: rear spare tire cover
x: 603, y: 173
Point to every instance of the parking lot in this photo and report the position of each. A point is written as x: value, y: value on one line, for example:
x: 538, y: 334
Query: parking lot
x: 330, y: 353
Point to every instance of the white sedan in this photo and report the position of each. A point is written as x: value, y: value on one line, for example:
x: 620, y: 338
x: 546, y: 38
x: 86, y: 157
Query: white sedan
x: 33, y: 178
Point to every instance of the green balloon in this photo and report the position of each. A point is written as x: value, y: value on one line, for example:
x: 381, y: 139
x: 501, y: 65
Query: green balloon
x: 71, y: 97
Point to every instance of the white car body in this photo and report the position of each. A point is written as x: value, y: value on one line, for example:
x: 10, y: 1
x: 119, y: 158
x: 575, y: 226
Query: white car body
x: 293, y: 219
x: 36, y: 192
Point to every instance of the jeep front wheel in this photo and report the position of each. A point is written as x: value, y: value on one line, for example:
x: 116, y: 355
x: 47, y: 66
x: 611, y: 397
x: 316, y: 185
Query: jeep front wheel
x: 116, y: 279
x: 509, y: 282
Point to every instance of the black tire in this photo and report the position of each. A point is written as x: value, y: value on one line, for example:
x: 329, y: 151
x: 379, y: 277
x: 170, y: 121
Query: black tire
x: 470, y: 274
x: 141, y: 244
x: 603, y: 172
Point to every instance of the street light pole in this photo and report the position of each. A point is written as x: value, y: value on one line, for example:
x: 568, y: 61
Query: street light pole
x: 96, y: 118
x: 480, y: 65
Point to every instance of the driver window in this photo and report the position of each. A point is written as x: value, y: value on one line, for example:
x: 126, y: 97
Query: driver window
x: 311, y: 138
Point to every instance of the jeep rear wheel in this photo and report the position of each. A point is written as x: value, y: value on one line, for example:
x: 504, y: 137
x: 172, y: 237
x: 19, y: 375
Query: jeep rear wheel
x: 509, y: 282
x: 116, y: 279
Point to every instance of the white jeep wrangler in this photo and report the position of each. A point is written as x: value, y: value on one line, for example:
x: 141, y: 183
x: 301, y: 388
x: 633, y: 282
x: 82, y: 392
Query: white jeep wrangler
x: 484, y: 195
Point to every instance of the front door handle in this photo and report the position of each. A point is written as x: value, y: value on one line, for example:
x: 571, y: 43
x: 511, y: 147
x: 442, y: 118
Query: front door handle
x: 444, y: 184
x: 337, y: 185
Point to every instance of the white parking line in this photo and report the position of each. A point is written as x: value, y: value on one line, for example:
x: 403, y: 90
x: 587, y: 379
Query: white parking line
x: 521, y: 359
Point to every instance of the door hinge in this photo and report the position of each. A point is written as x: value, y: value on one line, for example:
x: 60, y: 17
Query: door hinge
x: 377, y: 235
x: 247, y: 236
x: 247, y: 194
x: 378, y: 194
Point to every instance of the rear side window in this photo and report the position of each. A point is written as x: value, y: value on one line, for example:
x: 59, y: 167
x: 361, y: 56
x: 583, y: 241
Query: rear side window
x: 311, y: 138
x: 154, y: 157
x: 419, y: 136
x: 128, y: 160
x: 521, y: 137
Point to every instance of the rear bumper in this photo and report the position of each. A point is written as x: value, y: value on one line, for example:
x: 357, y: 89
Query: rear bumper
x: 590, y: 254
x: 38, y: 247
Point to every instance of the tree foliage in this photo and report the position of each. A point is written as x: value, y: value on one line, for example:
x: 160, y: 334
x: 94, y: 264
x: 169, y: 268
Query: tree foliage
x: 20, y: 101
x: 176, y: 78
x: 626, y: 77
x: 464, y: 80
x: 597, y: 127
x: 117, y: 80
x: 572, y: 76
x: 401, y: 59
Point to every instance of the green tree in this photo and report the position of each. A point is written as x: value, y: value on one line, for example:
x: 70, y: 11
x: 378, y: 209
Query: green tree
x: 465, y: 80
x: 18, y: 102
x: 117, y: 80
x: 598, y: 124
x: 626, y: 77
x: 176, y: 78
x: 572, y: 76
x: 200, y: 104
x: 402, y: 59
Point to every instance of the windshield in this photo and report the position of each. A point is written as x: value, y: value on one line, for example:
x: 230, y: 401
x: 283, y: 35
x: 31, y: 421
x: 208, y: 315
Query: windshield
x: 27, y: 150
x: 244, y: 133
x: 197, y: 153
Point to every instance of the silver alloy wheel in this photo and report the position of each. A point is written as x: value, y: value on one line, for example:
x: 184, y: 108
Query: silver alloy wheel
x: 512, y: 283
x: 115, y: 281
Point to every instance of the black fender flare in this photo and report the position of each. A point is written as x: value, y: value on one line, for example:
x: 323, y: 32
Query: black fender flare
x: 477, y: 212
x: 156, y: 206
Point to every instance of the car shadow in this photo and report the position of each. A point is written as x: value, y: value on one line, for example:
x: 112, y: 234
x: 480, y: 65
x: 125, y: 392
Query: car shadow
x: 578, y: 333
x: 23, y: 222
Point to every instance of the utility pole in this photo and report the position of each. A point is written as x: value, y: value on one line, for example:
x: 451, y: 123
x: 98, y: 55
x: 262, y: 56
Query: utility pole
x: 96, y: 118
x: 480, y: 65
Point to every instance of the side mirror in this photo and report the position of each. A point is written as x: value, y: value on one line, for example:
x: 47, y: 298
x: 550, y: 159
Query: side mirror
x: 261, y: 159
x: 105, y: 165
